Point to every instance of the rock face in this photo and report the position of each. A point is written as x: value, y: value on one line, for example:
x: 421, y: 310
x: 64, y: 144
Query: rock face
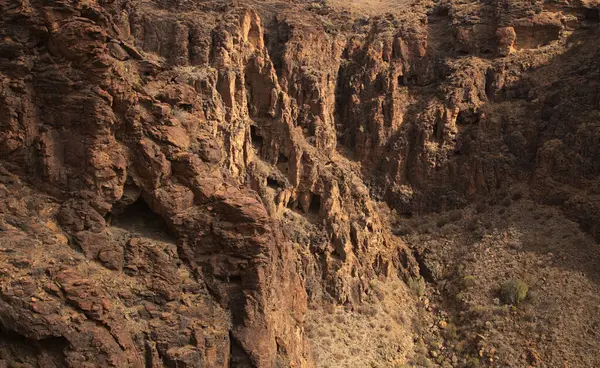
x: 180, y: 179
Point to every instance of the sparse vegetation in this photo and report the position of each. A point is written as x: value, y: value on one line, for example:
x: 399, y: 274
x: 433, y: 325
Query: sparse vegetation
x: 423, y: 361
x: 403, y: 230
x: 469, y: 281
x: 513, y: 291
x: 364, y: 334
x: 450, y: 332
x: 473, y: 362
x: 417, y: 285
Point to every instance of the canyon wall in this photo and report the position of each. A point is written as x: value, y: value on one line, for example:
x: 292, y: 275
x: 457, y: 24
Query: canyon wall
x: 181, y: 179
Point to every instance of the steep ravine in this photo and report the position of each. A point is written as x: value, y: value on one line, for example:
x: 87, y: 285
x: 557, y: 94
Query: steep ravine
x: 217, y: 184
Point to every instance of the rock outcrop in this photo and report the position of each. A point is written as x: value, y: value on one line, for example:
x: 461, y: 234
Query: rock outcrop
x: 180, y: 179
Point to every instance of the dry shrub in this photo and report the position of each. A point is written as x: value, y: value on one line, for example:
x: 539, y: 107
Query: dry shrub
x: 513, y: 291
x: 417, y: 285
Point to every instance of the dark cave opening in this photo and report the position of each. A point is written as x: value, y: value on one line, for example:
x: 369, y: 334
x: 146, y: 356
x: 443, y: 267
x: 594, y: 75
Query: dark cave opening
x: 315, y: 204
x: 17, y: 349
x: 257, y: 140
x: 282, y: 159
x: 467, y: 117
x: 292, y: 204
x: 238, y: 356
x: 274, y: 183
x: 138, y: 217
x: 443, y: 11
x: 401, y: 80
x: 282, y: 162
x: 187, y: 107
x: 592, y: 15
x: 424, y: 270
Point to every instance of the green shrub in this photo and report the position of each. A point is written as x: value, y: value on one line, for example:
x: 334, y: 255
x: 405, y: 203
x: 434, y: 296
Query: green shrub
x: 403, y: 231
x: 513, y: 291
x: 472, y: 362
x: 423, y: 361
x: 417, y: 285
x: 450, y: 332
x: 469, y: 281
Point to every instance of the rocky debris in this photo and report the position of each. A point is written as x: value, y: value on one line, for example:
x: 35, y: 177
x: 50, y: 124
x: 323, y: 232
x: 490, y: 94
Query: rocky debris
x: 522, y: 253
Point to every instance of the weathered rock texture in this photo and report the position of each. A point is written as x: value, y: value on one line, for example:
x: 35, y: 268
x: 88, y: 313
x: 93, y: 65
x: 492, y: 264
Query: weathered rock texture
x: 180, y: 178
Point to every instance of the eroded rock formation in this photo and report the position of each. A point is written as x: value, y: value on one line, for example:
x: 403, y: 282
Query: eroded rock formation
x: 179, y: 179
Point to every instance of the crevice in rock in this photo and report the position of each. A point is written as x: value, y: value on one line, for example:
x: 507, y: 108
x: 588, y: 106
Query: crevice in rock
x: 149, y: 355
x: 230, y: 279
x: 238, y: 356
x: 424, y: 270
x: 276, y: 38
x: 186, y: 107
x: 292, y: 204
x: 438, y: 131
x: 131, y: 193
x: 401, y: 80
x: 342, y: 94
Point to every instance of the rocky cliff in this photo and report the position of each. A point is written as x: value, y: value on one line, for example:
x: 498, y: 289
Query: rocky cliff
x: 182, y: 181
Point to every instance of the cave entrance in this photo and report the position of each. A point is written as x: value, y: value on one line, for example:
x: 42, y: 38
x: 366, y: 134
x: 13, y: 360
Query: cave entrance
x: 292, y: 204
x: 282, y: 159
x: 257, y: 140
x: 283, y: 163
x: 315, y: 204
x: 18, y: 348
x: 592, y: 15
x: 401, y: 80
x: 139, y: 218
x: 274, y: 183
